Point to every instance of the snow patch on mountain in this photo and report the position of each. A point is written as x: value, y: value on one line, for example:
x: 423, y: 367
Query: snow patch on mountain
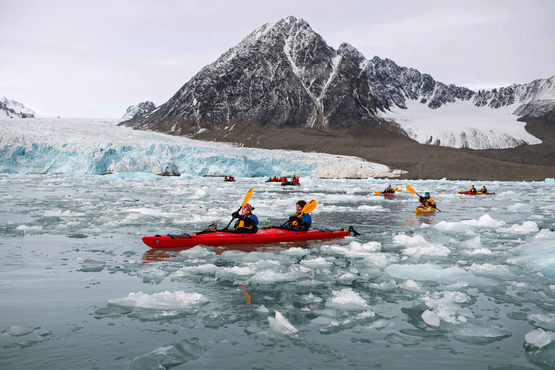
x: 11, y: 108
x: 462, y: 125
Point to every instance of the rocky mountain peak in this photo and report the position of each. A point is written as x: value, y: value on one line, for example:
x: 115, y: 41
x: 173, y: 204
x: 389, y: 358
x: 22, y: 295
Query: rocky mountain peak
x: 11, y: 108
x: 282, y: 75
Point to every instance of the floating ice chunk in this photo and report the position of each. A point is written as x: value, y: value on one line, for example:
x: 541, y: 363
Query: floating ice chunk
x: 430, y: 250
x: 262, y: 310
x: 480, y: 335
x: 544, y: 234
x: 346, y: 299
x: 483, y: 251
x: 281, y: 325
x: 410, y: 285
x: 428, y: 272
x: 486, y: 269
x: 518, y: 207
x: 468, y: 225
x: 272, y: 277
x: 169, y: 356
x: 380, y: 260
x: 58, y: 213
x: 453, y: 226
x: 445, y: 307
x: 403, y: 239
x: 526, y: 228
x: 346, y: 278
x: 315, y: 262
x: 196, y: 252
x: 208, y: 269
x: 354, y: 249
x: 18, y: 331
x: 296, y: 251
x: 538, y: 338
x: 430, y: 318
x: 161, y: 301
x: 31, y: 228
x: 367, y: 208
x: 89, y: 265
x: 381, y: 324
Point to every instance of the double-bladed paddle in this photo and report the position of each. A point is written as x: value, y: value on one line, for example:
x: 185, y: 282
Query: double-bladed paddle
x: 410, y: 189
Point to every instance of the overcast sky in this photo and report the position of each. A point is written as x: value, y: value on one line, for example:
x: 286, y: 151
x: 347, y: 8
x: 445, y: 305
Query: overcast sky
x: 93, y: 59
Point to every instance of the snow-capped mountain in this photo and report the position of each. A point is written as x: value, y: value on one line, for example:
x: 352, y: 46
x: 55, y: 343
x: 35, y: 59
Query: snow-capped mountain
x: 136, y: 110
x: 285, y: 75
x: 11, y: 108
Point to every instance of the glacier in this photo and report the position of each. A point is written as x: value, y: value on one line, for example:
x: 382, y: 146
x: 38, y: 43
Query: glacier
x: 83, y: 147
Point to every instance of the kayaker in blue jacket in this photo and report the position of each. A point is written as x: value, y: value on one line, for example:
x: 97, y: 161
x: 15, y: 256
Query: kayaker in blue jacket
x: 247, y: 222
x: 473, y: 190
x: 299, y: 221
x: 484, y: 190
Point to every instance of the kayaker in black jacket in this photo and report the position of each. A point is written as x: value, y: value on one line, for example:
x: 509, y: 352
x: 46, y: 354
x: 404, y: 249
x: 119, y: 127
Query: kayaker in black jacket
x: 247, y: 222
x: 299, y: 221
x: 427, y: 201
x: 484, y: 190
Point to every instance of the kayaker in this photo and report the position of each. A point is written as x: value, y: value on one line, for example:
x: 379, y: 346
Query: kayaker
x: 484, y: 190
x: 299, y: 221
x: 389, y: 189
x: 473, y: 190
x: 247, y: 222
x: 427, y: 201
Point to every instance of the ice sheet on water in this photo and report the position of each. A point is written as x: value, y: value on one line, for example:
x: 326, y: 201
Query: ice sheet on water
x: 170, y: 356
x: 162, y: 301
x: 480, y: 334
x: 462, y: 226
x: 437, y: 273
x: 501, y: 272
x: 18, y: 331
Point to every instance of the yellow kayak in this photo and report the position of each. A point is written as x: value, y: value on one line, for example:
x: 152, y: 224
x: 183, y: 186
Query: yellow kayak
x: 420, y: 209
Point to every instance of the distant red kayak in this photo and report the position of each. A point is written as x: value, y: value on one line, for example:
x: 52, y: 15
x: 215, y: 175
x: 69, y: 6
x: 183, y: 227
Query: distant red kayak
x: 219, y: 238
x: 478, y: 193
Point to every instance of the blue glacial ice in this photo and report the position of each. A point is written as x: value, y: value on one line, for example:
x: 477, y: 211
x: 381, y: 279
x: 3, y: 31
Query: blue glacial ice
x: 82, y: 147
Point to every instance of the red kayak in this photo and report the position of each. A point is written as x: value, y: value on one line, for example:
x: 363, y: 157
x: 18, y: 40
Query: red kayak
x: 478, y: 193
x: 219, y: 238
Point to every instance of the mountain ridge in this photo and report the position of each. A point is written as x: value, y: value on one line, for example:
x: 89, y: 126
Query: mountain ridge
x: 285, y: 79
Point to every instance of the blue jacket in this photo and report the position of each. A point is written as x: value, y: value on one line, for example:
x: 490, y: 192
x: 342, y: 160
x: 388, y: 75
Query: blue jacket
x: 301, y: 223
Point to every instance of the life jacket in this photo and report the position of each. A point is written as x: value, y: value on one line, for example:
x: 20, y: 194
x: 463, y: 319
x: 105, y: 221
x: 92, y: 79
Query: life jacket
x: 473, y: 190
x: 304, y: 225
x: 249, y: 222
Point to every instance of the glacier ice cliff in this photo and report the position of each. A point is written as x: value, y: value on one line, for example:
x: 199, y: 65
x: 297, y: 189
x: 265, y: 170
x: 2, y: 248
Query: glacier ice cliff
x: 81, y: 147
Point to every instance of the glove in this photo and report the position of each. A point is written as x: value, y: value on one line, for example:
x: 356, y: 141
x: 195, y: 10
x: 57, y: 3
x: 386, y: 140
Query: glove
x: 422, y: 199
x: 235, y: 214
x: 292, y: 218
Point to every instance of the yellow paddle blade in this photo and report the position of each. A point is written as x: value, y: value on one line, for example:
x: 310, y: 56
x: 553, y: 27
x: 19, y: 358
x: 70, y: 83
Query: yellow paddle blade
x: 377, y: 193
x: 247, y: 197
x: 309, y: 207
x: 411, y: 189
x: 398, y: 190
